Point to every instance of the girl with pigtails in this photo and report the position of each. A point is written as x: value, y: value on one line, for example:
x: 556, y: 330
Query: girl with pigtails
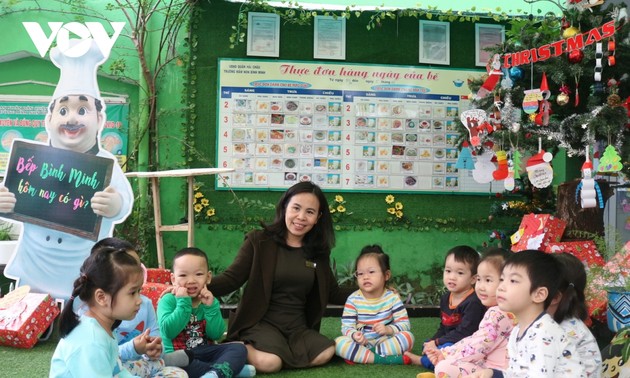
x: 109, y: 283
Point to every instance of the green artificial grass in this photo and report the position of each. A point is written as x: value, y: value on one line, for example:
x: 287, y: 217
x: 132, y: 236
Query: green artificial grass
x: 35, y: 362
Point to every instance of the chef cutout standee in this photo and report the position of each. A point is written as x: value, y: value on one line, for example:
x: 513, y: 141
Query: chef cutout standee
x: 48, y: 256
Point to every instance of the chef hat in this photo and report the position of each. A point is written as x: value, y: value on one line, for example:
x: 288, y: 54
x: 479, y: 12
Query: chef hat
x: 540, y: 158
x: 78, y: 74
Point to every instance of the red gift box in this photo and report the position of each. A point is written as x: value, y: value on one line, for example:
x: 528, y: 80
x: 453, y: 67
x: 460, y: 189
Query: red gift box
x: 153, y: 291
x: 25, y: 321
x: 537, y: 231
x: 157, y: 275
x: 585, y: 250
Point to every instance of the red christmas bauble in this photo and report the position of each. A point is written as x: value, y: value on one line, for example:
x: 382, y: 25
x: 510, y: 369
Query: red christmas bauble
x: 576, y: 56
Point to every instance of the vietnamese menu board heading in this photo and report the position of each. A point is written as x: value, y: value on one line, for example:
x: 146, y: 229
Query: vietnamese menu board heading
x: 342, y: 126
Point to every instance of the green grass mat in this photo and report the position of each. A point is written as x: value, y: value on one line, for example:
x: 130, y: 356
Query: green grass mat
x: 35, y: 362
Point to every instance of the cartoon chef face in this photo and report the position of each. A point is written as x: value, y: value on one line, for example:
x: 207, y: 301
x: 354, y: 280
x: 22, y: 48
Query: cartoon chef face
x: 74, y: 122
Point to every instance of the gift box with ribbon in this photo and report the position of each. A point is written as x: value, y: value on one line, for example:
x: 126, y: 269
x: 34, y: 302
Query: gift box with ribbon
x: 537, y: 231
x: 585, y: 250
x: 23, y: 320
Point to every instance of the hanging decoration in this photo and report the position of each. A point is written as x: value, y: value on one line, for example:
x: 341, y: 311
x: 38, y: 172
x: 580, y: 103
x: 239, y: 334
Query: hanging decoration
x: 575, y: 40
x: 563, y: 97
x: 531, y: 99
x: 613, y: 98
x: 494, y: 74
x: 465, y: 159
x: 588, y: 189
x: 611, y: 52
x: 502, y: 170
x: 538, y: 168
x: 484, y: 168
x: 542, y: 118
x: 610, y: 161
x: 475, y: 122
x: 576, y: 56
x: 516, y: 159
x: 597, y: 76
x: 508, y: 182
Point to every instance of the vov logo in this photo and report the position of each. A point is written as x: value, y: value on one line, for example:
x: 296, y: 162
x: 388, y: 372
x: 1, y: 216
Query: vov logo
x: 86, y: 33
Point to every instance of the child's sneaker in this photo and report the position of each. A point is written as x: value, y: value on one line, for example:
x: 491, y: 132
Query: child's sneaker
x: 247, y: 371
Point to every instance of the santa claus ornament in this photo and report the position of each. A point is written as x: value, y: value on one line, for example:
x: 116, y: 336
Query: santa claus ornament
x: 539, y: 169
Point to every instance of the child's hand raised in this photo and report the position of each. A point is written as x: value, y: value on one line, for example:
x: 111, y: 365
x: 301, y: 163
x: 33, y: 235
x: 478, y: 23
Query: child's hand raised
x: 140, y: 342
x: 383, y: 329
x: 180, y: 291
x: 206, y: 296
x: 154, y: 347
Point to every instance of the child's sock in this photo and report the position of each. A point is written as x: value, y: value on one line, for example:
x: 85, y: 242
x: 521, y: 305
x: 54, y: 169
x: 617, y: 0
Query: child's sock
x: 400, y: 359
x: 247, y: 371
x: 178, y: 358
x: 210, y: 374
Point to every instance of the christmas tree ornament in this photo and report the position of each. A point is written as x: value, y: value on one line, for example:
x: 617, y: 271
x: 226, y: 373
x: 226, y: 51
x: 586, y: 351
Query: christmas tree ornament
x: 570, y: 32
x: 484, y: 168
x: 563, y: 97
x: 544, y: 109
x: 576, y: 56
x: 502, y: 166
x: 613, y: 98
x: 538, y: 168
x: 508, y: 182
x: 465, y: 159
x: 516, y: 160
x: 530, y: 101
x: 494, y: 75
x: 516, y: 126
x: 564, y: 24
x: 532, y: 117
x: 588, y: 189
x: 610, y: 161
x: 506, y: 82
x: 473, y: 120
x: 597, y: 76
x: 611, y: 51
x: 516, y: 73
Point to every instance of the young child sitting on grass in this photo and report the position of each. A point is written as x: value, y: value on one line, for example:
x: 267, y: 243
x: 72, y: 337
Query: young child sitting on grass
x: 568, y: 309
x: 538, y: 346
x: 487, y: 347
x: 460, y: 308
x: 374, y: 324
x: 190, y: 319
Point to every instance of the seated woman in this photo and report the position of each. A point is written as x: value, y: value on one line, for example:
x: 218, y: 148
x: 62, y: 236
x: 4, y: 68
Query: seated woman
x: 289, y: 283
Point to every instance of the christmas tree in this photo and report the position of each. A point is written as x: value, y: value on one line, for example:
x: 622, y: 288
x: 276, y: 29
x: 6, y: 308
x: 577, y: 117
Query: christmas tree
x: 571, y: 108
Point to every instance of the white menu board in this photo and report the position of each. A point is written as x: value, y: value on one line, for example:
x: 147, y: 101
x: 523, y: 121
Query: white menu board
x: 342, y: 126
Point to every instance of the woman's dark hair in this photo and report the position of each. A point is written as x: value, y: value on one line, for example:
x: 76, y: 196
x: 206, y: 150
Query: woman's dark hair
x: 321, y: 238
x: 375, y: 251
x: 107, y: 268
x: 572, y: 303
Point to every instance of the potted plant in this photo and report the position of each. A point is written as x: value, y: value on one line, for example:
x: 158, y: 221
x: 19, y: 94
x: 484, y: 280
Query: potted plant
x: 612, y: 281
x: 9, y: 233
